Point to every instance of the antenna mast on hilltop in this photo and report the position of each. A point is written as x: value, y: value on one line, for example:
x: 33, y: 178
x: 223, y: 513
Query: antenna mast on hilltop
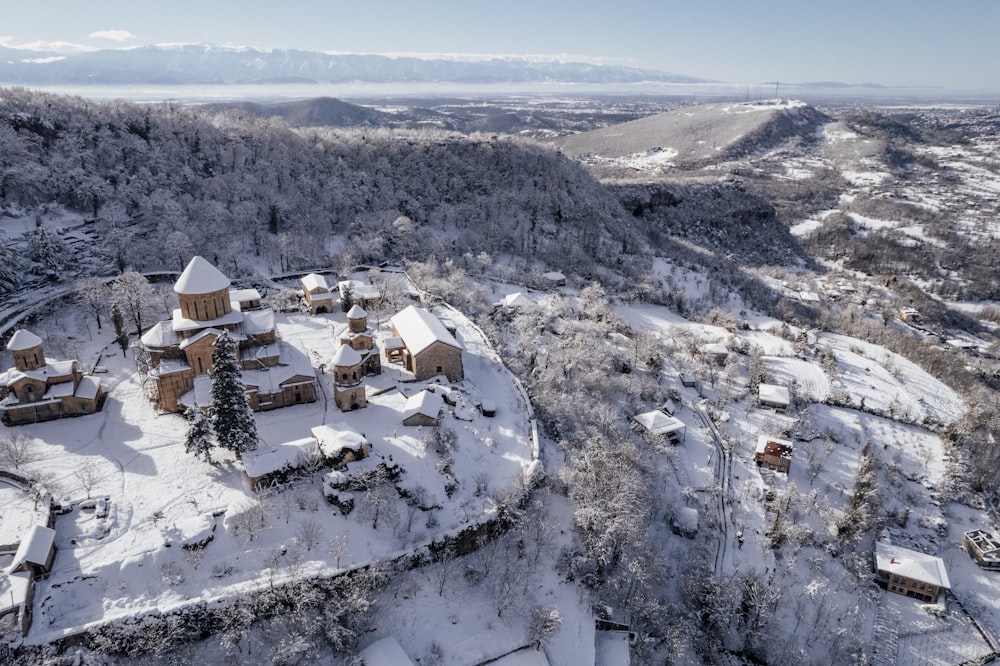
x: 776, y: 84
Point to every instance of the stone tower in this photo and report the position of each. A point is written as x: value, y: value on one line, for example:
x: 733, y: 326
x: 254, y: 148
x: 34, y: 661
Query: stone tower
x: 348, y: 386
x: 26, y: 348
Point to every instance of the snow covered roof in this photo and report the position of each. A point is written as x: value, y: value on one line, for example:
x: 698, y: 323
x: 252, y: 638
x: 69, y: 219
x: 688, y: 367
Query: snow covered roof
x: 611, y: 648
x: 199, y: 336
x: 659, y: 423
x: 356, y: 312
x: 160, y: 335
x: 426, y: 403
x: 14, y: 591
x: 294, y: 362
x: 554, y: 276
x: 385, y: 652
x: 267, y: 461
x: 200, y: 277
x: 88, y: 388
x: 517, y: 300
x: 315, y: 281
x: 23, y: 339
x: 773, y: 446
x: 34, y: 547
x: 244, y: 295
x: 715, y: 348
x: 181, y: 323
x: 898, y: 561
x: 346, y: 357
x: 393, y: 342
x: 773, y: 394
x: 335, y: 437
x: 256, y: 322
x: 358, y: 289
x: 419, y: 329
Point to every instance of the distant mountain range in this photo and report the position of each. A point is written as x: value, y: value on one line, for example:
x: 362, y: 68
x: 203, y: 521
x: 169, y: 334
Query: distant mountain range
x: 202, y: 64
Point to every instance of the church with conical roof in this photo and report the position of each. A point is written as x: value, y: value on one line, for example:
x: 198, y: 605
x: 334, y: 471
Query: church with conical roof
x: 176, y: 354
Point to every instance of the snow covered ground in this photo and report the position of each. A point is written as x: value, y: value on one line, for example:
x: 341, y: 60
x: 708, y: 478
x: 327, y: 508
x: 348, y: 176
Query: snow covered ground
x: 122, y: 554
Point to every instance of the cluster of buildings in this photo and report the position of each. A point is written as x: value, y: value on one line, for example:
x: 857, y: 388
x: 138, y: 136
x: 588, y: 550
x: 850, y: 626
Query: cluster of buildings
x: 41, y: 389
x: 176, y: 354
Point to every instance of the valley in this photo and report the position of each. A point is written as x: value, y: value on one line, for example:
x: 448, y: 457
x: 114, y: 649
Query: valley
x: 846, y: 255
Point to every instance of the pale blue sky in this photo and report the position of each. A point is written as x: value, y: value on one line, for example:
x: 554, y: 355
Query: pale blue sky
x: 948, y: 43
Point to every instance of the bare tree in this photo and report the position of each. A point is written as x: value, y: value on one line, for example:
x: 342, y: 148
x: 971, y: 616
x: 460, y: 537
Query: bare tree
x: 88, y: 478
x: 309, y: 533
x: 17, y: 450
x: 544, y: 622
x: 92, y: 294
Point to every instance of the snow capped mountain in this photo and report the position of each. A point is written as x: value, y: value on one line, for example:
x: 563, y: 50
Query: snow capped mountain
x: 198, y: 63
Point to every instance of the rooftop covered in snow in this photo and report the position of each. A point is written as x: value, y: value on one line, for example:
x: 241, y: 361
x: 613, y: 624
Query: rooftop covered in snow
x: 200, y: 277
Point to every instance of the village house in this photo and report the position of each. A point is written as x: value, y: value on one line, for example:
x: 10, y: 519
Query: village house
x: 774, y: 453
x: 428, y: 349
x: 177, y: 354
x: 317, y: 293
x: 661, y: 424
x: 911, y: 315
x: 555, y: 278
x: 715, y: 352
x: 910, y: 573
x: 773, y: 396
x: 982, y: 547
x: 42, y: 389
x: 33, y: 560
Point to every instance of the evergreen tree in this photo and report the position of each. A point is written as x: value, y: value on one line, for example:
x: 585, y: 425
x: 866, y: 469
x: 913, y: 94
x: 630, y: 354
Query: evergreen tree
x: 199, y: 434
x: 47, y: 249
x: 235, y: 427
x: 346, y: 297
x: 10, y: 265
x: 118, y: 321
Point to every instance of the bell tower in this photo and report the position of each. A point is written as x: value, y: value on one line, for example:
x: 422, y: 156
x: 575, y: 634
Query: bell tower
x: 348, y: 385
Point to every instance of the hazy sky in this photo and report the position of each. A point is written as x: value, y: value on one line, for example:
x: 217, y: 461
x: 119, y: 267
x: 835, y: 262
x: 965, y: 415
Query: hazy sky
x: 949, y: 43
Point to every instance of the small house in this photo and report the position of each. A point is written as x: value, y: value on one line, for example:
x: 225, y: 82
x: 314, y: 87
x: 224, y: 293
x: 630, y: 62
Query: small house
x: 716, y: 353
x: 773, y: 396
x: 515, y: 300
x: 339, y: 443
x: 423, y: 408
x: 685, y: 522
x: 982, y: 547
x: 317, y: 293
x: 910, y: 573
x: 35, y: 553
x: 555, y: 279
x: 661, y: 424
x: 774, y: 453
x: 911, y: 315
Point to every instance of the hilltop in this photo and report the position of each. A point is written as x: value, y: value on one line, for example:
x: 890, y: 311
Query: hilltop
x: 695, y: 136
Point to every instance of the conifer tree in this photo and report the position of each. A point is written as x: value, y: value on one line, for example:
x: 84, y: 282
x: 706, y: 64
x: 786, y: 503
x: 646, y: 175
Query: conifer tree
x: 235, y: 427
x: 199, y: 434
x: 118, y: 321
